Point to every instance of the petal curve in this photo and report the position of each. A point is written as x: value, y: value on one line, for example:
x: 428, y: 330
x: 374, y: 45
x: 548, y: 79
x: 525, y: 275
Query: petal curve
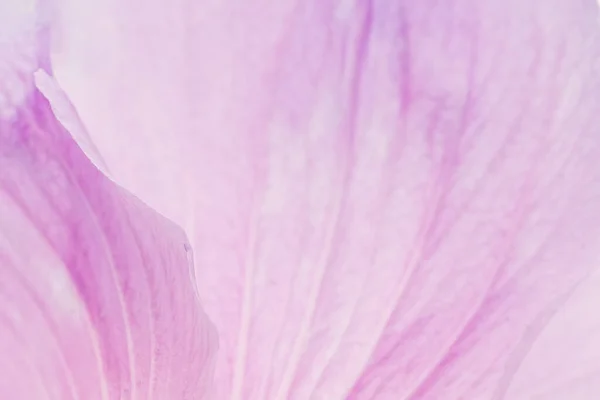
x: 97, y: 299
x: 385, y: 197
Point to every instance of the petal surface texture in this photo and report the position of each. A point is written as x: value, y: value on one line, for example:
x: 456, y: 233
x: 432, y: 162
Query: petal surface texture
x: 386, y: 199
x: 97, y: 296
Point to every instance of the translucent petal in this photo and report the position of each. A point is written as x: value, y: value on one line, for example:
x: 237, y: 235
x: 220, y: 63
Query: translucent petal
x: 97, y: 296
x: 386, y: 199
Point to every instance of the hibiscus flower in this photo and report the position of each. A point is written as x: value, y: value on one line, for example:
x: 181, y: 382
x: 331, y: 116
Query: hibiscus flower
x: 384, y: 199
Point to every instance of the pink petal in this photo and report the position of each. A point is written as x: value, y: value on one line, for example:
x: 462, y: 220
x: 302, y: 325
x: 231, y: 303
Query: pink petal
x: 387, y: 199
x: 97, y: 300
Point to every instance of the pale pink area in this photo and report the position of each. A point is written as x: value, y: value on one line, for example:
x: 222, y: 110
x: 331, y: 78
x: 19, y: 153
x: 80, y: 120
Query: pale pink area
x: 564, y: 361
x: 97, y: 295
x: 386, y: 199
x: 20, y: 26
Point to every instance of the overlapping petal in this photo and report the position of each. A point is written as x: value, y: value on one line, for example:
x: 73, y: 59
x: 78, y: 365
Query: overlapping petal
x: 388, y: 199
x: 97, y: 299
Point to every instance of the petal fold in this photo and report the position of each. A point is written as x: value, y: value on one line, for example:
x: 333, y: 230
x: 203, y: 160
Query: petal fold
x: 97, y: 296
